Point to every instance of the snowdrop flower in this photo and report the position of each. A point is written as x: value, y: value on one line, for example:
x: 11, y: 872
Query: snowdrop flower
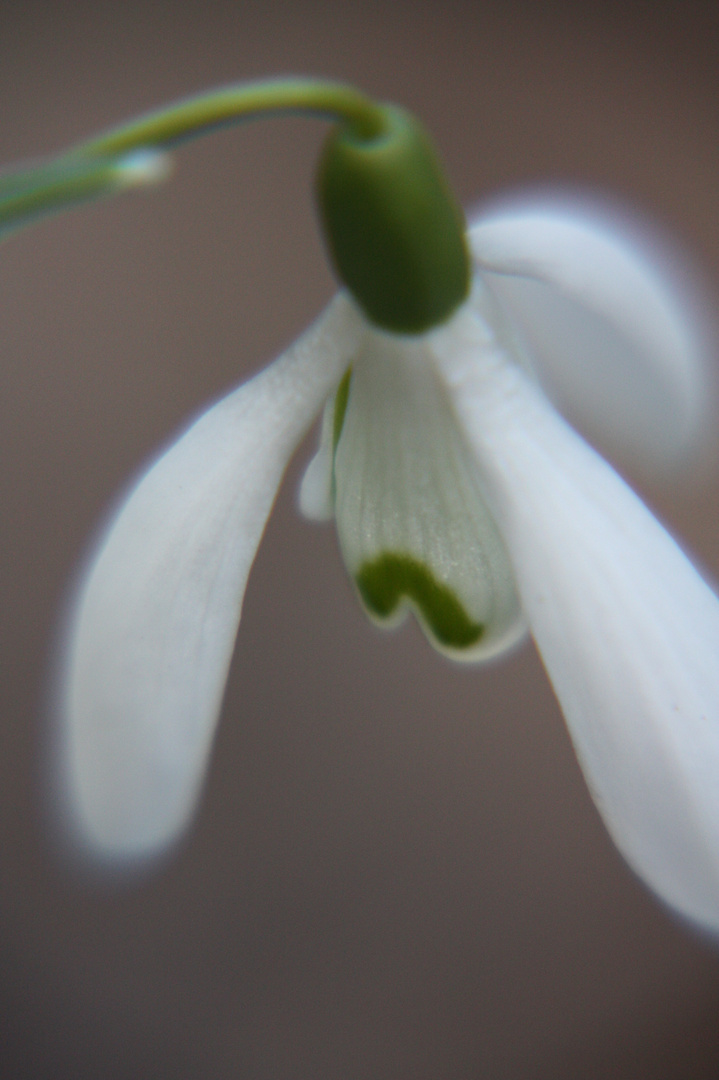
x: 459, y: 492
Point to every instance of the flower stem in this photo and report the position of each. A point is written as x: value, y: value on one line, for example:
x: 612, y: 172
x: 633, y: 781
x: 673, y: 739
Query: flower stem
x: 132, y: 154
x: 198, y: 115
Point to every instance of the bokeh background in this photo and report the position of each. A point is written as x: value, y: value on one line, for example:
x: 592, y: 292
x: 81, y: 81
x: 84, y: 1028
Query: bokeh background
x: 397, y: 871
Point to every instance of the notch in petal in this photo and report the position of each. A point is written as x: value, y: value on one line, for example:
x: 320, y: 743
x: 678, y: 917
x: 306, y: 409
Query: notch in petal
x: 153, y: 626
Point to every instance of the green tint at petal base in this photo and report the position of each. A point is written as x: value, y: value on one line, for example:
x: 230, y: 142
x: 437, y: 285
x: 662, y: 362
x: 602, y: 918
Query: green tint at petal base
x: 384, y: 581
x: 341, y: 399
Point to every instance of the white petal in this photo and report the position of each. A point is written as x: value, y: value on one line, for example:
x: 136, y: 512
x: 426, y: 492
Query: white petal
x: 413, y: 527
x: 612, y: 330
x: 315, y: 495
x: 627, y: 628
x: 154, y: 625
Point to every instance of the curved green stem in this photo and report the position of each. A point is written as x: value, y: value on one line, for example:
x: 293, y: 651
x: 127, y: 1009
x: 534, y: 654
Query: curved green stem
x: 202, y: 113
x: 113, y: 161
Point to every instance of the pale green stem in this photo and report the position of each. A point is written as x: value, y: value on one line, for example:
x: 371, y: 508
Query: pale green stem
x: 198, y: 115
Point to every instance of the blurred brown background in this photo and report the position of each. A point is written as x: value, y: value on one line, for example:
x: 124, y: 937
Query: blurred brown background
x: 397, y: 871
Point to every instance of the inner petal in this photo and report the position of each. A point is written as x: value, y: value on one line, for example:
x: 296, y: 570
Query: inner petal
x: 413, y: 527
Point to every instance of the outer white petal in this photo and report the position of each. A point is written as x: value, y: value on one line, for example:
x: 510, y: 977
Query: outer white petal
x: 627, y: 628
x: 612, y: 330
x: 153, y: 629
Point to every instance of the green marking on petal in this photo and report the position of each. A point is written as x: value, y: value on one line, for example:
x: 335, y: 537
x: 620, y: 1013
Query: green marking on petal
x: 385, y: 580
x: 341, y: 399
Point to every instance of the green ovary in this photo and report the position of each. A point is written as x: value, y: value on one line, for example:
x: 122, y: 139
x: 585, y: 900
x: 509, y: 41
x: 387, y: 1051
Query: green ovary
x: 385, y: 580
